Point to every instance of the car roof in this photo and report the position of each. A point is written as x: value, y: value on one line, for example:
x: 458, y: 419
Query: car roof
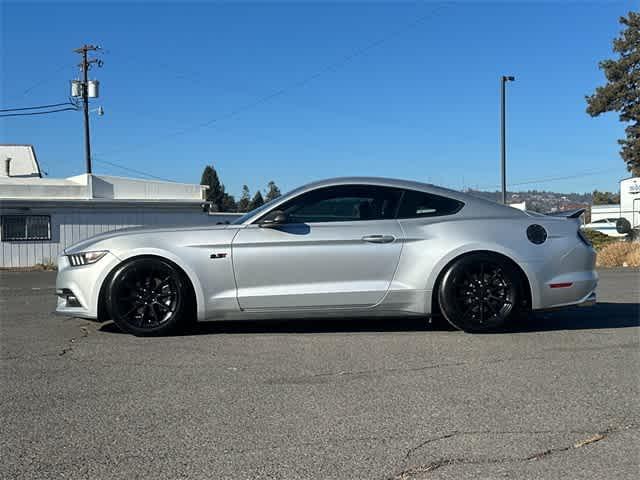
x: 473, y: 205
x: 407, y: 184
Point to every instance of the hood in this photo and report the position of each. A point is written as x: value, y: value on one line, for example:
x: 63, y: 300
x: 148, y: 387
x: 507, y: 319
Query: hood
x: 93, y: 243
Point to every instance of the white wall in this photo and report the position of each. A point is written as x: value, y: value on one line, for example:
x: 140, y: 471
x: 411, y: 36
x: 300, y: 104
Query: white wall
x: 23, y: 161
x: 72, y: 224
x: 132, y: 188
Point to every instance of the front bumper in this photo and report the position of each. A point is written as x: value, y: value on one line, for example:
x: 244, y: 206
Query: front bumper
x: 78, y: 287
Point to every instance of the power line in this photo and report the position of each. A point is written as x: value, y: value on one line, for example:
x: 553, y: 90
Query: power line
x: 345, y: 60
x: 554, y: 179
x: 39, y: 107
x: 129, y: 169
x: 567, y: 177
x: 48, y: 79
x: 37, y: 113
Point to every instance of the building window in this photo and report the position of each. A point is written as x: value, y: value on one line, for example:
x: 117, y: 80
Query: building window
x: 26, y: 227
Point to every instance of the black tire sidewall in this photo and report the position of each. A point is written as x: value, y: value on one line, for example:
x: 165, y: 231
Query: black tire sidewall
x: 167, y: 327
x: 446, y: 286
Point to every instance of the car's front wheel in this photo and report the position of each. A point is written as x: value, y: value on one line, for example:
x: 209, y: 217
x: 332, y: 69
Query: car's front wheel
x: 148, y: 296
x: 480, y: 293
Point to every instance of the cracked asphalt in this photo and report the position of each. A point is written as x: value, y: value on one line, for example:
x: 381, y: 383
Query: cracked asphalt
x: 557, y: 397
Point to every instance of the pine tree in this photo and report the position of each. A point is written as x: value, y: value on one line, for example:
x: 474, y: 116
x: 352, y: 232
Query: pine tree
x: 220, y: 200
x: 228, y: 203
x: 256, y: 201
x: 622, y: 91
x: 245, y: 200
x: 272, y: 191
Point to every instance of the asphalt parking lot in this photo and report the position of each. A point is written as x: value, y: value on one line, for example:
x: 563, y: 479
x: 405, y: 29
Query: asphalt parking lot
x: 559, y: 397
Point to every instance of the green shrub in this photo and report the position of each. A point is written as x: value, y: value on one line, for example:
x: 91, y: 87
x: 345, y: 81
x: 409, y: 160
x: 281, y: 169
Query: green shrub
x: 599, y: 239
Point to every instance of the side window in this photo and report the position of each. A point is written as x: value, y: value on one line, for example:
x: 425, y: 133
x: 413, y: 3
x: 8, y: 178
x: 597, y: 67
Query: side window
x: 420, y: 204
x: 344, y: 203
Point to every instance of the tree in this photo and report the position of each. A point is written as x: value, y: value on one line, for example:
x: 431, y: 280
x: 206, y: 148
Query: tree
x: 228, y: 203
x: 220, y: 200
x: 622, y: 91
x: 272, y: 191
x: 605, y: 198
x: 215, y: 191
x: 245, y: 200
x: 256, y: 201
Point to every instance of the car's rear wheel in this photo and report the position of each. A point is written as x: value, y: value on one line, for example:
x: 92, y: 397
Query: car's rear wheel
x: 148, y: 296
x: 480, y: 293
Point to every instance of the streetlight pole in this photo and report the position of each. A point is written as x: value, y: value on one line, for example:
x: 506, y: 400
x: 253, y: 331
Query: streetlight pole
x: 503, y: 135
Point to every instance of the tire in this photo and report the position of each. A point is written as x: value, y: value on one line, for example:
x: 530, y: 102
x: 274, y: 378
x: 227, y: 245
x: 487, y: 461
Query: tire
x: 480, y: 293
x: 149, y: 297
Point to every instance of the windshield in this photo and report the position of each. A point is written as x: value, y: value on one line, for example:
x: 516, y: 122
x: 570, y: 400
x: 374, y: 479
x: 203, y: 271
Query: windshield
x: 265, y: 207
x: 255, y: 211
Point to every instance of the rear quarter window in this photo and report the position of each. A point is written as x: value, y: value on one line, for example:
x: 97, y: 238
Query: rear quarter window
x: 421, y: 204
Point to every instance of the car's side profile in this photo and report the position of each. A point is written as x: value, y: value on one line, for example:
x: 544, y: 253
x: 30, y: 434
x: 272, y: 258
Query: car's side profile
x: 350, y: 247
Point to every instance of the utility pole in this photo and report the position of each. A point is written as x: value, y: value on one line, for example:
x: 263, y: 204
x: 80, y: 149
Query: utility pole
x: 86, y: 89
x: 503, y: 135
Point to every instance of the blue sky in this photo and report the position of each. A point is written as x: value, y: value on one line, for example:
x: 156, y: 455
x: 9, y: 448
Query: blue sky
x: 298, y: 91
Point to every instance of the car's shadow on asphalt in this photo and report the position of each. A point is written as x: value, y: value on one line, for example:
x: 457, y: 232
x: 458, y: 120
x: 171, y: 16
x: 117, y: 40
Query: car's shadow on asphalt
x: 602, y: 315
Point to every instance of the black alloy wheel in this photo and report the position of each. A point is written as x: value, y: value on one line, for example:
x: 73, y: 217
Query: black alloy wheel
x: 480, y: 293
x: 147, y: 296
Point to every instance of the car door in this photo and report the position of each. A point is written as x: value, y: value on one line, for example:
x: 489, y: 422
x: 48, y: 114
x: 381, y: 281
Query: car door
x: 339, y: 247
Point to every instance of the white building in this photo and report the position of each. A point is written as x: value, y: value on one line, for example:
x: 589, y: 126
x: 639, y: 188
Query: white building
x: 519, y: 205
x: 40, y: 217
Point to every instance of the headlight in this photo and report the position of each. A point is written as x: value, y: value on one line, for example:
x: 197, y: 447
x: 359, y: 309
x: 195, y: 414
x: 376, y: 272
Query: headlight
x: 85, y: 258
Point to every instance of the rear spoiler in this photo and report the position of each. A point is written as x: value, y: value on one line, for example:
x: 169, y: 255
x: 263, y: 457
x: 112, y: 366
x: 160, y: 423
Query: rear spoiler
x: 568, y: 213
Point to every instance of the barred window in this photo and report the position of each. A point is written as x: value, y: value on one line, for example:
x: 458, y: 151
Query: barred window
x: 26, y: 227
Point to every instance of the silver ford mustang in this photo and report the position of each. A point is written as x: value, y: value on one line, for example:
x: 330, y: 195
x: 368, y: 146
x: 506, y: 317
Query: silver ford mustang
x: 348, y: 247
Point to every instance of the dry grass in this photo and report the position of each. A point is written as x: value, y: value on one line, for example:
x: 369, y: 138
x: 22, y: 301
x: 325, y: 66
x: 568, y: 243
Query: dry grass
x: 598, y: 239
x: 633, y: 259
x: 619, y: 254
x: 38, y: 267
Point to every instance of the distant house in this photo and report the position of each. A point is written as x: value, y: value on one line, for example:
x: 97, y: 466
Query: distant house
x: 40, y: 217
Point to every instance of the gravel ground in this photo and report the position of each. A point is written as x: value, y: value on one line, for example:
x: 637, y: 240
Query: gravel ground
x: 558, y: 397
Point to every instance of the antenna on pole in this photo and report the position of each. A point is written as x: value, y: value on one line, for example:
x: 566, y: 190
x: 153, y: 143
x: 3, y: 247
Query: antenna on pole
x: 86, y: 89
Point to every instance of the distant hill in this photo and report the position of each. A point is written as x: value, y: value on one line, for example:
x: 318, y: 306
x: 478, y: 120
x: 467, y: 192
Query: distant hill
x: 539, y: 201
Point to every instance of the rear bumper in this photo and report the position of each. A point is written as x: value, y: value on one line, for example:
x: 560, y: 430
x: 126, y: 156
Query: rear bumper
x: 589, y: 301
x: 565, y: 276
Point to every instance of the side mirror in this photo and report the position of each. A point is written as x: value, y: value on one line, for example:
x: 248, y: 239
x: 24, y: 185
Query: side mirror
x: 274, y: 219
x: 623, y: 225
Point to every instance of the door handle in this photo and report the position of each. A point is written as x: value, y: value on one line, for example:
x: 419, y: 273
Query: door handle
x: 379, y: 238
